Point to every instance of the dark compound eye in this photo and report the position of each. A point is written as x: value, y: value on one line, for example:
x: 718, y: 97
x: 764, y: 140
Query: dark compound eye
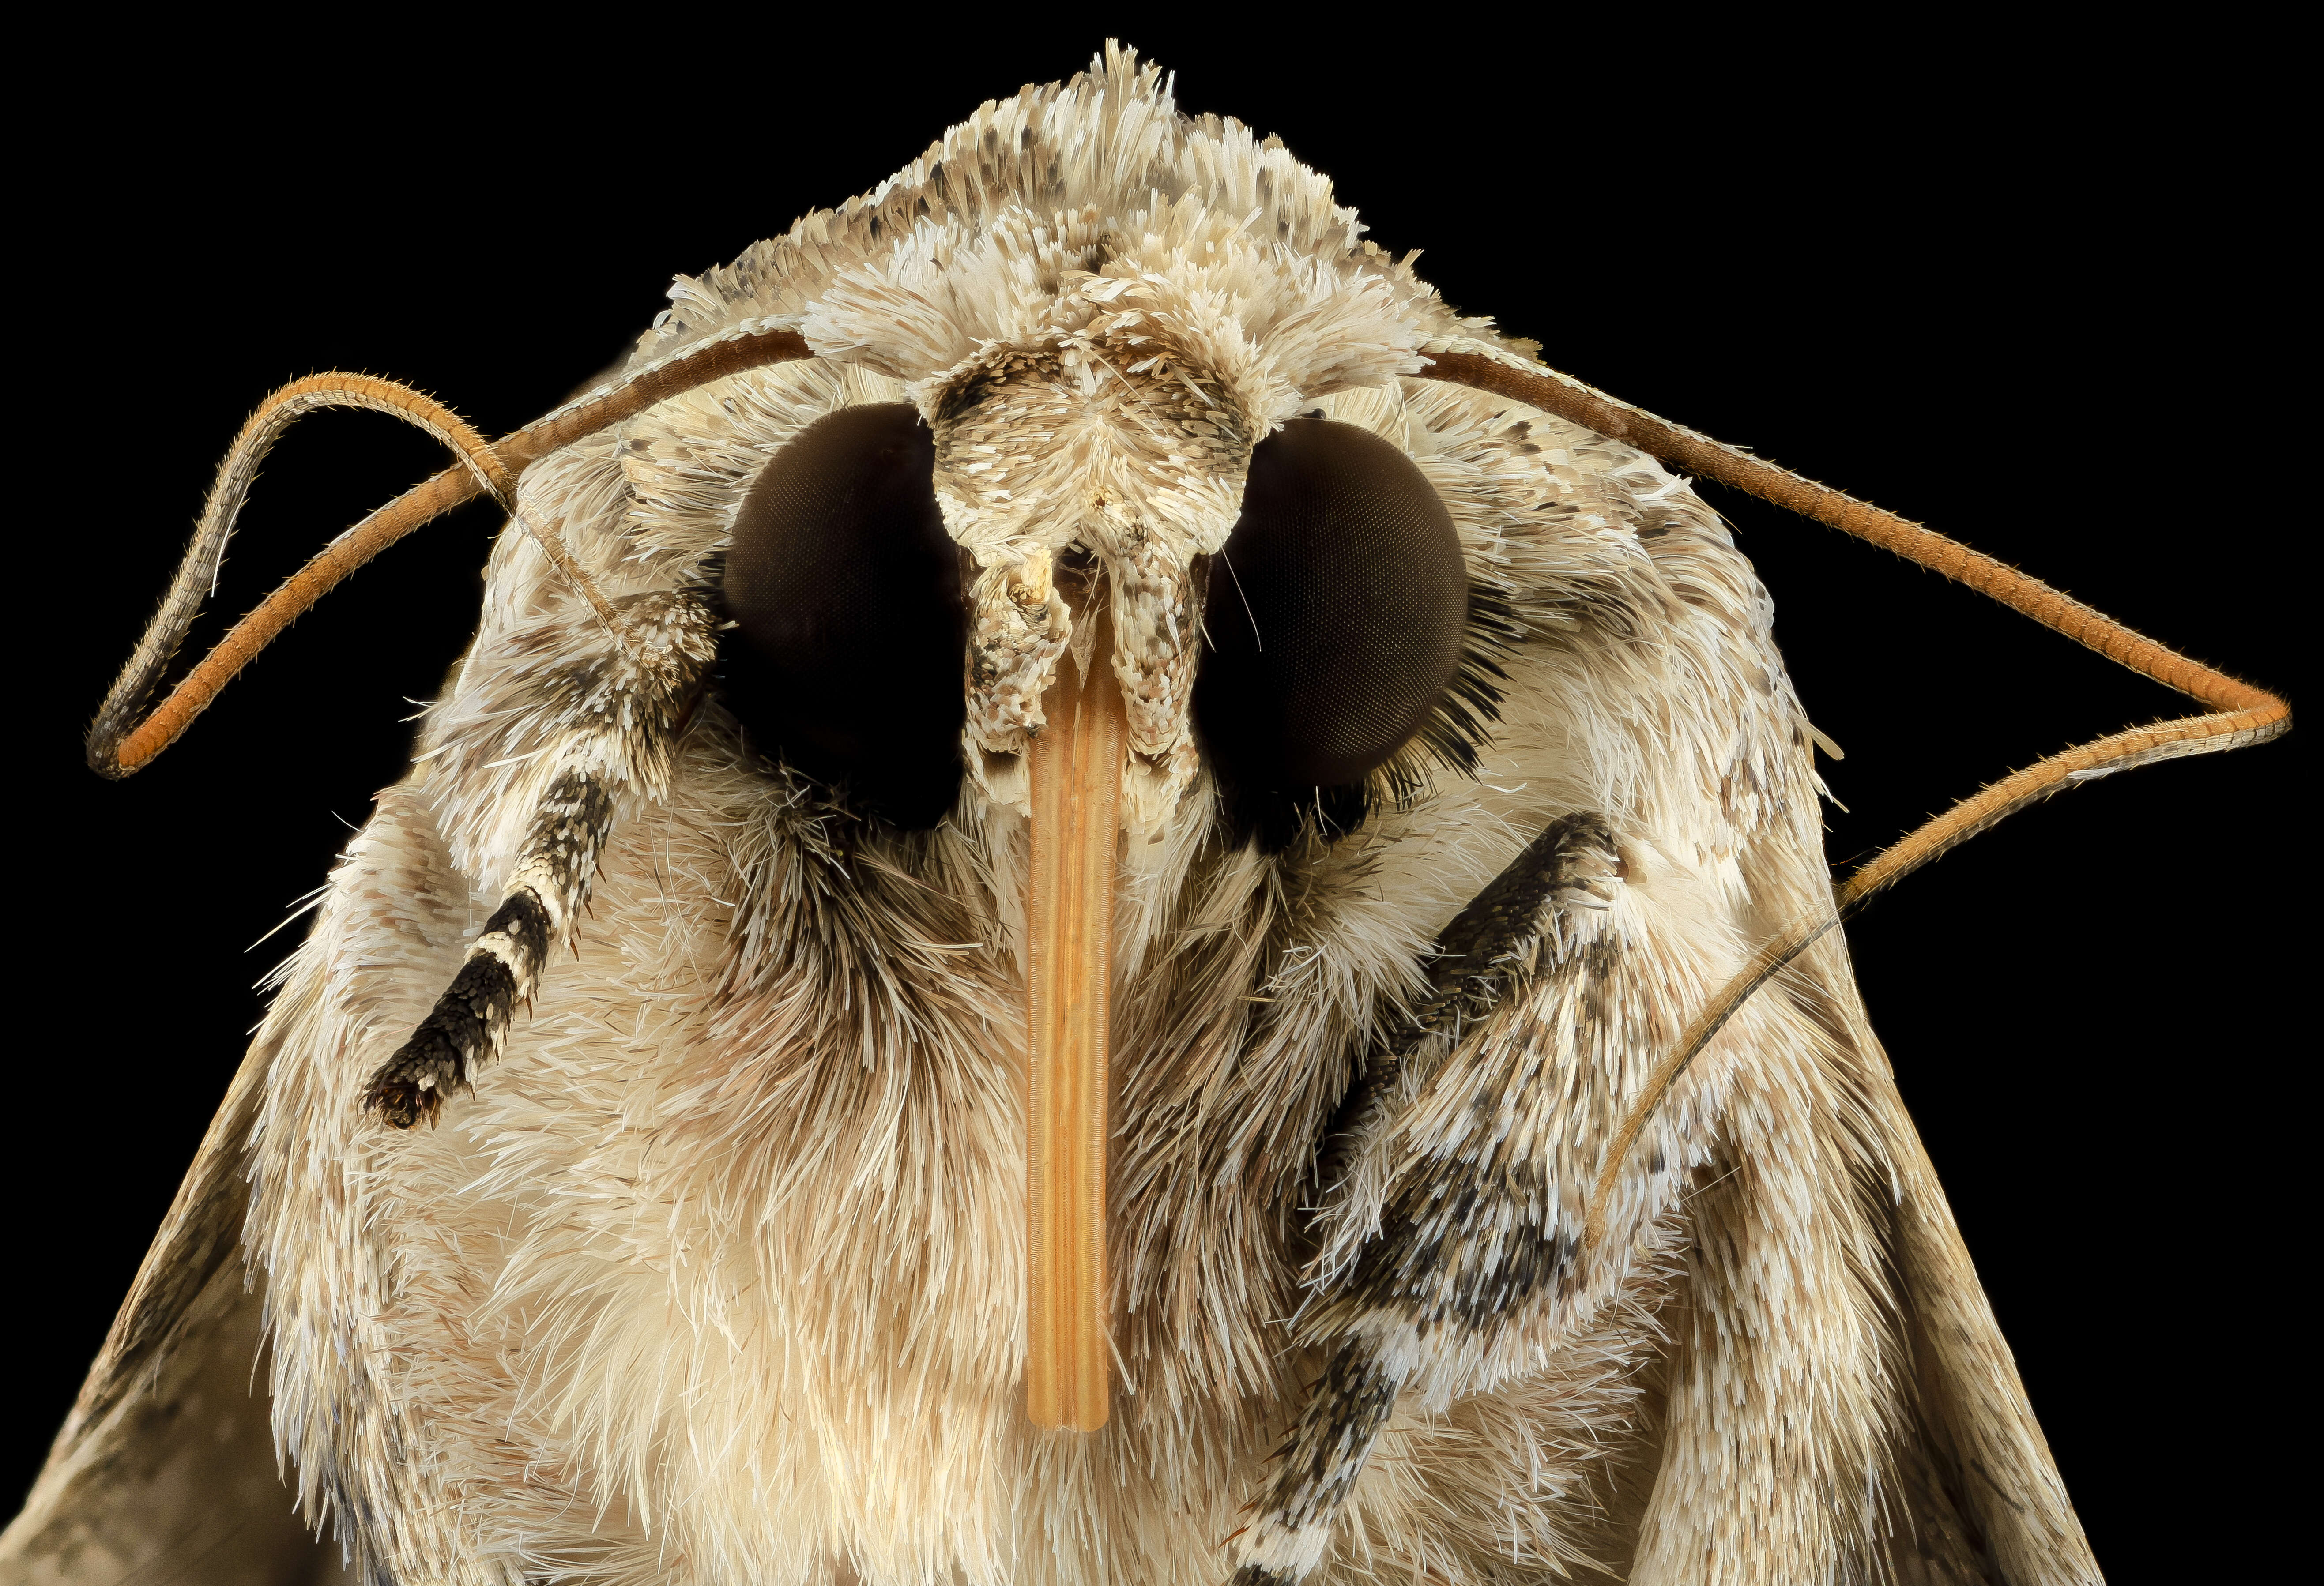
x: 846, y: 659
x: 1337, y: 618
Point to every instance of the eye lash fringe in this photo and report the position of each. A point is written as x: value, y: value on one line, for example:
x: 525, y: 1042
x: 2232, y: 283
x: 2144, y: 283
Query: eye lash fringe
x: 1452, y: 741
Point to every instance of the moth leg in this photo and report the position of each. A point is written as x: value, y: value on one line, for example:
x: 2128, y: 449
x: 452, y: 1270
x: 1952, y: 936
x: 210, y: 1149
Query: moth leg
x: 1345, y: 1412
x: 1462, y: 1242
x: 610, y: 726
x: 470, y: 1021
x: 1481, y: 955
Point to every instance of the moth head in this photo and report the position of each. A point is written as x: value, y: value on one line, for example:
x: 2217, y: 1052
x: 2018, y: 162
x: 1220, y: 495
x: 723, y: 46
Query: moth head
x: 1283, y: 603
x: 1281, y: 607
x: 1109, y: 495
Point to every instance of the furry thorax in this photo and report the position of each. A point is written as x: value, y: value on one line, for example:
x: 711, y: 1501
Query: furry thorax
x: 713, y: 1271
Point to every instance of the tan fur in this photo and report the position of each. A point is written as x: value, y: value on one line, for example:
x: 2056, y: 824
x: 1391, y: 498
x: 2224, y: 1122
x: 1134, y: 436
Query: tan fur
x: 717, y: 1275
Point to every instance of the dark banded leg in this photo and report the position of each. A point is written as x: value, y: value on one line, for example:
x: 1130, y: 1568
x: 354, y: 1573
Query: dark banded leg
x: 470, y: 1021
x: 1461, y: 1244
x: 614, y: 719
x: 1488, y: 949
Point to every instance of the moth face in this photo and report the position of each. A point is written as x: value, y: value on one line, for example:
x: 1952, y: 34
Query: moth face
x: 1088, y: 480
x: 1286, y: 605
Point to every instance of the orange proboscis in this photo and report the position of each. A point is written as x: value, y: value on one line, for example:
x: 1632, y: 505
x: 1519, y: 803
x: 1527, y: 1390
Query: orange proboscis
x: 1077, y: 776
x: 1076, y: 768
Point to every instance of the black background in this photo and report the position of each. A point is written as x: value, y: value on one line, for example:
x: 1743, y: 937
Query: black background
x: 2017, y: 286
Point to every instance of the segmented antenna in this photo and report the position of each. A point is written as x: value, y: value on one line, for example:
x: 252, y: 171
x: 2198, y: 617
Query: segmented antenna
x: 2239, y: 713
x: 121, y: 742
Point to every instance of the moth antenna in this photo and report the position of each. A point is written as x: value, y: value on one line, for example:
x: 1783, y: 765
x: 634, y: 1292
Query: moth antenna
x: 121, y: 744
x: 1765, y: 964
x: 2239, y: 716
x: 2240, y: 713
x: 196, y: 576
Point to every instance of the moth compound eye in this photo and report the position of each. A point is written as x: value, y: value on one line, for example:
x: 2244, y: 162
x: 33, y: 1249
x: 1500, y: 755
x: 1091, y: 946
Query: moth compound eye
x: 1336, y: 616
x: 846, y: 660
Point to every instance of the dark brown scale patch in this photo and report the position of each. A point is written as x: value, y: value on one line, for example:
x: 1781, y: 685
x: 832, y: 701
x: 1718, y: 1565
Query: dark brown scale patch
x: 1477, y: 954
x: 1465, y: 1246
x: 457, y: 1032
x: 526, y: 921
x: 1472, y: 1240
x: 1345, y: 1412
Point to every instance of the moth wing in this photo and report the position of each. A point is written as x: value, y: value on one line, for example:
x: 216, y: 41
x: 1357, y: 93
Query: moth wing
x: 165, y: 1469
x: 1983, y: 1492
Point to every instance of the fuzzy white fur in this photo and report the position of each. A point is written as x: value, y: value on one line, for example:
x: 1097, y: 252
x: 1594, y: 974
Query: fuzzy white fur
x: 717, y: 1275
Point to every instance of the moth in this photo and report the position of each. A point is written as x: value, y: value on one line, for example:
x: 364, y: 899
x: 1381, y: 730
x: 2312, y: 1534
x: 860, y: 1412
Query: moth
x: 1104, y: 899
